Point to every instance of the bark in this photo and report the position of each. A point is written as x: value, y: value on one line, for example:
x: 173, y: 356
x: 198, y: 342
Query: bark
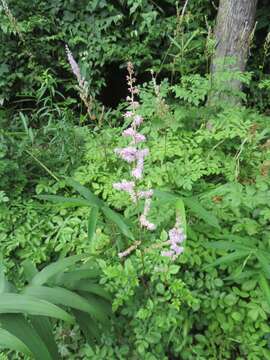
x: 233, y: 34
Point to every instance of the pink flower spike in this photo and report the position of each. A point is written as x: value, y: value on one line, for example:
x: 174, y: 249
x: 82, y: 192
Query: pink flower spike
x: 127, y: 186
x: 168, y: 253
x: 137, y: 137
x: 137, y: 120
x: 147, y: 194
x: 128, y: 114
x: 129, y: 153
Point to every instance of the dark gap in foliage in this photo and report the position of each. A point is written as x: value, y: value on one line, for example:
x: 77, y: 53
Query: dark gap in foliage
x: 116, y: 89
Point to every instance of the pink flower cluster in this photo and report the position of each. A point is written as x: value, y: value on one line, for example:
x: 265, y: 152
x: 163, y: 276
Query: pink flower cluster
x: 176, y: 238
x: 133, y: 154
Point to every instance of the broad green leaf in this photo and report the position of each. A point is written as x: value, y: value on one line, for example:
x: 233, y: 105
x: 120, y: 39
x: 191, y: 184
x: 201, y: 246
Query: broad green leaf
x: 86, y: 193
x: 18, y: 326
x: 44, y: 329
x: 4, y: 284
x: 118, y: 221
x: 227, y: 259
x: 64, y: 297
x: 194, y: 206
x: 53, y: 269
x: 92, y: 222
x: 65, y: 201
x: 19, y: 303
x: 11, y: 342
x: 264, y: 285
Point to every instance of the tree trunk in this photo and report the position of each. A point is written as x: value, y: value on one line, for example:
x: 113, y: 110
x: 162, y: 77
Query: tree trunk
x: 233, y: 34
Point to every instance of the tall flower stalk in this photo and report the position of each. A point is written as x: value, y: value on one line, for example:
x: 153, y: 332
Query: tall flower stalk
x: 82, y: 84
x: 134, y: 154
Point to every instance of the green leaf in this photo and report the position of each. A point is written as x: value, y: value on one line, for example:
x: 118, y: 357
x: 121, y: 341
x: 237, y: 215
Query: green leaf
x: 92, y: 222
x: 265, y: 264
x: 118, y: 221
x: 53, y: 269
x: 86, y: 285
x: 44, y: 329
x: 18, y: 303
x: 227, y: 259
x: 226, y: 245
x: 264, y: 287
x: 88, y: 326
x: 11, y: 342
x: 61, y: 296
x: 18, y: 326
x: 194, y: 206
x: 84, y: 192
x: 70, y: 278
x: 64, y: 201
x: 29, y: 270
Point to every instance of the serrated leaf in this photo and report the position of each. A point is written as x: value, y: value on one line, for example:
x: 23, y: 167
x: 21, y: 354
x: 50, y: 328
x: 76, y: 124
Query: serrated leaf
x: 53, y: 269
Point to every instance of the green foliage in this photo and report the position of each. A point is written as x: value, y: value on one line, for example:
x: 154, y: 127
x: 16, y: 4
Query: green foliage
x: 47, y: 292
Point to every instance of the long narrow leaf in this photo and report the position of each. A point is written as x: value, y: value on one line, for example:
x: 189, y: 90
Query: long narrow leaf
x: 86, y: 285
x: 84, y: 192
x: 61, y: 296
x: 265, y: 264
x: 194, y: 206
x: 264, y: 285
x: 18, y: 303
x: 92, y: 222
x: 11, y: 342
x: 18, y: 326
x: 118, y: 220
x: 72, y: 277
x: 53, y: 269
x: 65, y: 201
x: 227, y: 259
x: 43, y: 327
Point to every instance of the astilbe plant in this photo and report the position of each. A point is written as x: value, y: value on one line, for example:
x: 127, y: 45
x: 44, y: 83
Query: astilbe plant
x: 82, y: 84
x: 135, y: 155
